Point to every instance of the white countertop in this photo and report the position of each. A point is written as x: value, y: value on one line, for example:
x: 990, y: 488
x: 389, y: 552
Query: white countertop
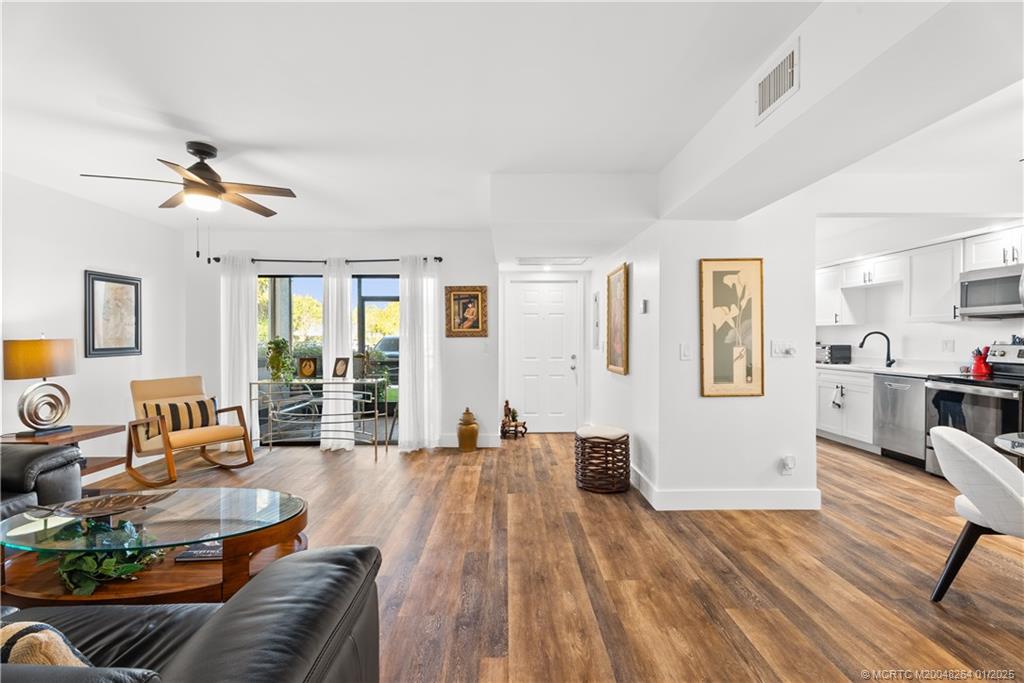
x: 906, y: 369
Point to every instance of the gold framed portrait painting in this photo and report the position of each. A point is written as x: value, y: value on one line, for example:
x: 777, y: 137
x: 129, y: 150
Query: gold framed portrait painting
x: 465, y: 311
x: 732, y: 327
x: 617, y: 342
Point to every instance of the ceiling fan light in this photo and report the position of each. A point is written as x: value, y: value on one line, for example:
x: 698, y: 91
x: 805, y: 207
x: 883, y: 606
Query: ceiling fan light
x: 202, y: 199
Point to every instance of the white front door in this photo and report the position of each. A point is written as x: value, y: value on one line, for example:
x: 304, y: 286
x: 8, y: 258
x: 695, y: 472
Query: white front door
x: 542, y: 329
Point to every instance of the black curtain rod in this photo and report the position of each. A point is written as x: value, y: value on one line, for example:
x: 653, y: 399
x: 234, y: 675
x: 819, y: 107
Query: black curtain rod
x: 437, y: 259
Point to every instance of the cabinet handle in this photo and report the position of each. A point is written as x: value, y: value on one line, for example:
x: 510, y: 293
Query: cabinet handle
x: 956, y: 309
x: 1004, y: 254
x: 837, y: 318
x: 863, y: 278
x: 871, y: 277
x: 1016, y: 254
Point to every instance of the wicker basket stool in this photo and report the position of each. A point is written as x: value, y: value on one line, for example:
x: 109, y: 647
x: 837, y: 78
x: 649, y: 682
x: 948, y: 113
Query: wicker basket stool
x: 602, y: 459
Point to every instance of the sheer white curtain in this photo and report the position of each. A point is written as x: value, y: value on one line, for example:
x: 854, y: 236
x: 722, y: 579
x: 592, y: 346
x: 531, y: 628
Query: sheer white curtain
x: 238, y: 337
x: 419, y: 371
x: 337, y: 344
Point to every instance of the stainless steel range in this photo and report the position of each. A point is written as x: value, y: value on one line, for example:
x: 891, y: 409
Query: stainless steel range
x: 984, y: 408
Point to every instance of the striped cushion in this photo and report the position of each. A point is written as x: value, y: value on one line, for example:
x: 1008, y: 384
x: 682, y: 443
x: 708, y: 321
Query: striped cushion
x: 180, y: 414
x: 32, y: 642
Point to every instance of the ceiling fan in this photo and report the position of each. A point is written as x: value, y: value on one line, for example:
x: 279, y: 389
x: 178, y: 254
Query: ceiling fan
x: 202, y: 187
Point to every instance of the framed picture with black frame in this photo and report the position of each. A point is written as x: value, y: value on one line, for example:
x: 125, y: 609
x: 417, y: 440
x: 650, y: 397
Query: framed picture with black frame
x: 113, y: 315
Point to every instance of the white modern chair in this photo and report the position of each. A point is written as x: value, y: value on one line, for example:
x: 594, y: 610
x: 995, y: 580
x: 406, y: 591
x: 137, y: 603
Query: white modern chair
x: 991, y: 500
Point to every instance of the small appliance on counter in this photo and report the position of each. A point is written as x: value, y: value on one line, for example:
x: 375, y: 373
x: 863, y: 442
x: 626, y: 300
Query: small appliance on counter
x: 982, y: 406
x: 833, y: 354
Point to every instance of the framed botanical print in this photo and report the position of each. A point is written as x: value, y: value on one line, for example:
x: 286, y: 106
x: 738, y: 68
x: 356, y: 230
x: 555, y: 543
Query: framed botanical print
x: 465, y: 311
x: 732, y: 327
x: 617, y: 321
x: 113, y: 315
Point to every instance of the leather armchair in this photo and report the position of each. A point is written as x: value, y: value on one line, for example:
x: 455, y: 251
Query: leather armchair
x: 38, y: 475
x: 309, y: 617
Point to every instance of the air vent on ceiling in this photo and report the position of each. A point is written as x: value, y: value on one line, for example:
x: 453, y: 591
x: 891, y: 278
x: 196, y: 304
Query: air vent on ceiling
x: 779, y: 82
x: 551, y: 260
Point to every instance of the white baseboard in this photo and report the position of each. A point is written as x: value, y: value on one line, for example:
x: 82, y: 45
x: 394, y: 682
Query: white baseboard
x: 482, y: 441
x: 725, y: 499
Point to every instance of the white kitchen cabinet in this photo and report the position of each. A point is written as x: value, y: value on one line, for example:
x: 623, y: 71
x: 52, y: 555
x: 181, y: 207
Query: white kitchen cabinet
x: 855, y: 419
x: 994, y: 249
x: 833, y: 306
x: 859, y: 410
x: 885, y: 269
x: 875, y: 271
x: 933, y: 282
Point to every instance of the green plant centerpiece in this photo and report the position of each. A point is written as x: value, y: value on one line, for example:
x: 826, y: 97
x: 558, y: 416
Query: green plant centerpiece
x: 82, y: 571
x: 374, y: 367
x: 280, y: 360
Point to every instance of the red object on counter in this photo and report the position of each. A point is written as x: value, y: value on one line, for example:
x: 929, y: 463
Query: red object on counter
x: 981, y: 368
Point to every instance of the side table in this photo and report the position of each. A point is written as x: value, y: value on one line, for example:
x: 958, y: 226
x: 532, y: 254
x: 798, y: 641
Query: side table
x: 77, y: 434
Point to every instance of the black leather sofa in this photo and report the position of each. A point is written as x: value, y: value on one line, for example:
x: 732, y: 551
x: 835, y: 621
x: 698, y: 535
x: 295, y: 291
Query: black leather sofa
x: 38, y: 475
x: 309, y: 617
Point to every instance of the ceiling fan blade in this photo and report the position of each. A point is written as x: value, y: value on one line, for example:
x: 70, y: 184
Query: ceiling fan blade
x: 124, y: 177
x: 183, y: 172
x: 246, y: 203
x: 174, y: 200
x: 246, y: 188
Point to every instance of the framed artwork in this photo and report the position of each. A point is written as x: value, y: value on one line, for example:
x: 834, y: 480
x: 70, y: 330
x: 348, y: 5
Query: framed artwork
x: 465, y: 311
x: 617, y: 346
x: 307, y: 368
x: 340, y: 367
x: 113, y: 315
x: 732, y: 327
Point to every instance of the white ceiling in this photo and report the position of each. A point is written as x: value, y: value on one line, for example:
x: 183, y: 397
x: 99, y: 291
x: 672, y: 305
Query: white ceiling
x: 378, y: 116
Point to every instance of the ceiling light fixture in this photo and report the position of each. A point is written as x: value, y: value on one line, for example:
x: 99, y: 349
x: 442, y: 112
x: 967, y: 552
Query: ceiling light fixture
x: 202, y: 198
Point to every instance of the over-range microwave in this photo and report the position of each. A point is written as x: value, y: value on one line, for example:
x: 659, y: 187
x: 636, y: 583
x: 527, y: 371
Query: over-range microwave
x: 993, y: 292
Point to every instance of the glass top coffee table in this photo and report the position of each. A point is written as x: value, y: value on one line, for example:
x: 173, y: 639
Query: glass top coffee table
x: 255, y: 526
x: 1011, y: 443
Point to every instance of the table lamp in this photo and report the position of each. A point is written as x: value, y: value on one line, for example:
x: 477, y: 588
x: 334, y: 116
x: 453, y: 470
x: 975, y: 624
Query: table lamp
x: 44, y: 404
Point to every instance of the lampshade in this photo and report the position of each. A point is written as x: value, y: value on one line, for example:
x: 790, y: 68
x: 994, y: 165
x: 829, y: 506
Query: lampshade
x: 202, y: 198
x: 35, y: 358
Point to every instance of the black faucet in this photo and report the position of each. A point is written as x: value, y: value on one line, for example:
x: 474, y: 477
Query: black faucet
x: 889, y: 362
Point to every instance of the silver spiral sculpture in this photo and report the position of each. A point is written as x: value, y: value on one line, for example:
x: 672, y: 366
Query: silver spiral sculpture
x: 44, y: 405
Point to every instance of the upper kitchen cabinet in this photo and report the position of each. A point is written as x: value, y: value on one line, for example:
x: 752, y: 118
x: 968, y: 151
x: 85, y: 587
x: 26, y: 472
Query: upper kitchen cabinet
x: 833, y: 306
x: 933, y: 281
x: 994, y: 249
x: 887, y: 269
x: 875, y: 271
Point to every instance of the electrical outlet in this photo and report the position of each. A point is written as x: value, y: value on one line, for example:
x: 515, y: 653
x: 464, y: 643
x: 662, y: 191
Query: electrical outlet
x: 786, y: 465
x: 684, y: 352
x: 949, y: 346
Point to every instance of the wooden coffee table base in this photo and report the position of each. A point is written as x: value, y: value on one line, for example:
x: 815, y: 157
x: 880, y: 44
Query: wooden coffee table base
x: 28, y: 584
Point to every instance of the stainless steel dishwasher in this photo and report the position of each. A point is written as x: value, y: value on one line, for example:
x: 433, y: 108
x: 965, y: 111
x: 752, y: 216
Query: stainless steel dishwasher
x: 899, y: 415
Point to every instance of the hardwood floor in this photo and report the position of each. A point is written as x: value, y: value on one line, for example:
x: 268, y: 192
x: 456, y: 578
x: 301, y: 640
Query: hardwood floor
x: 496, y: 568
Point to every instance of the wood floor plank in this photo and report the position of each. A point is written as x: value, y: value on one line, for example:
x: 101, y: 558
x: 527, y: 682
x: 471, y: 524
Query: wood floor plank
x: 497, y: 568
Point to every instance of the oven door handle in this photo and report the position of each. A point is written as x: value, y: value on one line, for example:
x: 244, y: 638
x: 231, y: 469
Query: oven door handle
x: 973, y: 390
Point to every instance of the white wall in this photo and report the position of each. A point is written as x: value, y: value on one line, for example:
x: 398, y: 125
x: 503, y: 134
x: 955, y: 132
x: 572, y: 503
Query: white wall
x: 49, y: 239
x: 725, y: 452
x: 630, y: 401
x: 692, y: 452
x: 470, y: 365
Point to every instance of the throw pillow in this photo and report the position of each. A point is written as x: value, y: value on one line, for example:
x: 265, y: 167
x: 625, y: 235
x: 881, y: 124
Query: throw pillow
x: 31, y: 642
x: 180, y: 414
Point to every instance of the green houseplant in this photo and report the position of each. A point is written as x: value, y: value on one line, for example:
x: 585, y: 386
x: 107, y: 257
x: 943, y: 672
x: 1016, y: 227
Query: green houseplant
x: 82, y: 571
x: 280, y: 361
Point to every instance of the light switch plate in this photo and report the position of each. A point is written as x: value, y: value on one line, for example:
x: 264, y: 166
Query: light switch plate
x: 684, y: 352
x: 949, y: 346
x: 783, y: 349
